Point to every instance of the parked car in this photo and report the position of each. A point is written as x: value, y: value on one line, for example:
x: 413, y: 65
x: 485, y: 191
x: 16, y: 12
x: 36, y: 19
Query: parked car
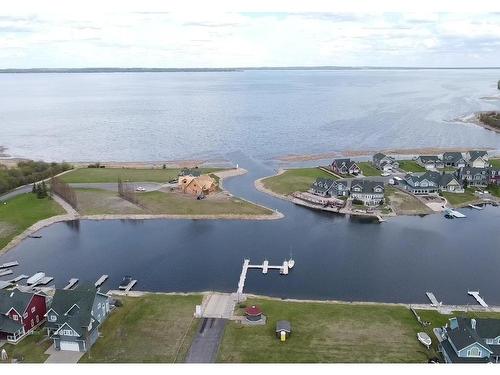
x: 140, y: 188
x: 385, y: 174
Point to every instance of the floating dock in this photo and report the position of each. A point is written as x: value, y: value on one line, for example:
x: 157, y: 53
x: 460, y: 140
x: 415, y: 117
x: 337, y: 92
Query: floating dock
x: 5, y: 272
x: 454, y: 213
x: 478, y: 298
x: 18, y: 278
x: 130, y: 286
x: 9, y: 264
x: 44, y: 280
x: 433, y: 299
x: 4, y: 284
x: 265, y: 267
x: 101, y: 281
x: 475, y: 207
x: 71, y: 284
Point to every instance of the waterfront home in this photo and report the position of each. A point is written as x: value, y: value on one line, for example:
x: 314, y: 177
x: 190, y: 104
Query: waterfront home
x: 466, y: 340
x: 371, y: 193
x: 449, y: 182
x: 20, y: 313
x: 345, y: 166
x: 197, y: 185
x: 454, y: 159
x: 384, y: 162
x: 426, y: 183
x: 477, y: 159
x: 474, y: 176
x: 429, y: 161
x: 327, y: 187
x: 75, y: 316
x: 494, y: 176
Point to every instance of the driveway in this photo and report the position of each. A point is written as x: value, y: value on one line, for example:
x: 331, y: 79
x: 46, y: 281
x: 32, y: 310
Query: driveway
x: 206, y: 343
x: 62, y: 356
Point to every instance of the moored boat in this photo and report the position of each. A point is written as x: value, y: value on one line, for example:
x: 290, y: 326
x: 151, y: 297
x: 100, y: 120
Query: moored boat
x: 424, y: 339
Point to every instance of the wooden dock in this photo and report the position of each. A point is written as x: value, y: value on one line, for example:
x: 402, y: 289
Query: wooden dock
x: 101, y: 281
x: 9, y: 264
x: 5, y: 272
x: 44, y: 280
x: 433, y: 299
x: 265, y: 267
x: 18, y: 278
x: 130, y: 286
x: 71, y: 284
x: 478, y: 298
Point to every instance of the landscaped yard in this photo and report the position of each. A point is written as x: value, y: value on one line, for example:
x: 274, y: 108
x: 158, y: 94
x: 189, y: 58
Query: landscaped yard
x: 152, y: 328
x: 368, y: 169
x: 292, y: 180
x: 29, y: 350
x: 22, y: 211
x: 458, y: 199
x: 98, y: 202
x: 494, y: 190
x: 404, y: 203
x: 126, y: 174
x: 495, y: 163
x: 410, y: 166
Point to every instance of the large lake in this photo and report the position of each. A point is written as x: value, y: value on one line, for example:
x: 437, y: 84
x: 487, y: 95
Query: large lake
x: 168, y: 116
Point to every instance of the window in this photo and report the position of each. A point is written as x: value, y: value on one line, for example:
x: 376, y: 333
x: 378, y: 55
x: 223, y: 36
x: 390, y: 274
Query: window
x: 67, y: 332
x: 33, y: 309
x: 37, y: 319
x: 52, y: 318
x: 25, y: 315
x: 99, y: 305
x: 15, y: 317
x: 490, y: 341
x: 474, y: 352
x: 32, y: 323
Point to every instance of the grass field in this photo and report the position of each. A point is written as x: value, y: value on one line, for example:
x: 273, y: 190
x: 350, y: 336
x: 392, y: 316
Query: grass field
x: 410, y: 166
x: 368, y: 169
x: 456, y: 199
x: 494, y: 190
x: 131, y: 174
x: 21, y: 212
x: 404, y: 203
x: 298, y: 179
x: 495, y: 163
x: 98, y: 202
x: 29, y: 350
x: 152, y: 328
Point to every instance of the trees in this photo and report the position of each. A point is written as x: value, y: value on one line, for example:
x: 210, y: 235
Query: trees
x: 65, y: 191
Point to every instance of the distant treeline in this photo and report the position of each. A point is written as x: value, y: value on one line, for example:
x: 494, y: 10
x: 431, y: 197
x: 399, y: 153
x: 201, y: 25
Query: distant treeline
x: 28, y: 172
x: 490, y: 118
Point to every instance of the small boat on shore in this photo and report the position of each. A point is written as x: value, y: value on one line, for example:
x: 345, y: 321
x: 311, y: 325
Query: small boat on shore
x: 424, y: 339
x: 34, y: 236
x: 475, y: 207
x: 449, y: 213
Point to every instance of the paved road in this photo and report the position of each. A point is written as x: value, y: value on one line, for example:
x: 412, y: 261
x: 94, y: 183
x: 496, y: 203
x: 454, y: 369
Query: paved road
x: 206, y: 343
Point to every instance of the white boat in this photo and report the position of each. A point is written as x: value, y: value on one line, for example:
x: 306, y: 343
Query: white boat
x: 475, y: 207
x: 454, y: 213
x: 424, y: 339
x: 291, y: 263
x: 35, y: 278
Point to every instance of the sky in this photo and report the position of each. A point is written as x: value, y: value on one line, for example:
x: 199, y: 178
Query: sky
x: 124, y: 38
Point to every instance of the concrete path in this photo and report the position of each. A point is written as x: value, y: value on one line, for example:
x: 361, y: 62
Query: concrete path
x: 62, y: 356
x: 206, y: 343
x: 218, y: 305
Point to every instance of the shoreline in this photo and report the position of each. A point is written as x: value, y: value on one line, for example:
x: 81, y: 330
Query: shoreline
x: 474, y: 119
x: 260, y: 187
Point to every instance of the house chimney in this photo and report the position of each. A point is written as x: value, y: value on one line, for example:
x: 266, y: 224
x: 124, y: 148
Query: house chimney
x: 473, y: 324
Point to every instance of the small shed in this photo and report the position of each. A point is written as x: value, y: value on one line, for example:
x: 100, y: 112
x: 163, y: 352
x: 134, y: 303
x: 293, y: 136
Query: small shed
x: 253, y: 313
x: 283, y: 329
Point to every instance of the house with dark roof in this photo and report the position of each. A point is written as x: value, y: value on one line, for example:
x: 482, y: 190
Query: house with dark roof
x: 432, y: 182
x: 477, y: 159
x: 20, y: 313
x: 371, y: 193
x: 345, y: 166
x: 466, y: 340
x: 429, y: 161
x: 494, y: 176
x: 328, y: 187
x: 384, y: 162
x: 449, y: 182
x: 75, y: 316
x: 454, y: 159
x: 475, y: 176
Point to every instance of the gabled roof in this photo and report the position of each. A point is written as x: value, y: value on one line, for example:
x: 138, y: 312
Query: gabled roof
x: 14, y: 299
x: 8, y: 325
x: 429, y: 158
x: 431, y: 176
x: 323, y: 184
x: 473, y: 171
x: 367, y: 186
x: 475, y: 154
x: 464, y: 335
x: 347, y: 162
x: 446, y: 179
x: 378, y: 156
x: 452, y: 157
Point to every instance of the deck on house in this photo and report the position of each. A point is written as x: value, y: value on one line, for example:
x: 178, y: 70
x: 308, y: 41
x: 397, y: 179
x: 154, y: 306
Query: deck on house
x: 478, y: 298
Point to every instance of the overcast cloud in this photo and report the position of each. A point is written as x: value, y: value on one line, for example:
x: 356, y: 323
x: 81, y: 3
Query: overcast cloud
x: 149, y: 39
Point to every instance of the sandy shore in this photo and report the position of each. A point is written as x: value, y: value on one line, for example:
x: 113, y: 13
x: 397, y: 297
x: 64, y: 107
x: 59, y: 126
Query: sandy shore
x: 260, y: 187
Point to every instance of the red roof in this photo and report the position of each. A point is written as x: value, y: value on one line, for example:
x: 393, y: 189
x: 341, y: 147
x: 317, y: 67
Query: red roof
x: 253, y: 310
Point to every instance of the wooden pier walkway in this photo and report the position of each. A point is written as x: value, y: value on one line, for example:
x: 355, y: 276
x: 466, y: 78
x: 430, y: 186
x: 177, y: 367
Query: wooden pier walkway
x: 71, y: 284
x: 478, y: 298
x: 18, y: 278
x: 433, y: 299
x: 130, y: 286
x: 265, y: 267
x: 9, y: 264
x: 101, y: 281
x: 5, y: 272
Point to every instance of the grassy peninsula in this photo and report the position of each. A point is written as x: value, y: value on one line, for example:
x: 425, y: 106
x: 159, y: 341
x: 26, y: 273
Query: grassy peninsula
x: 297, y: 179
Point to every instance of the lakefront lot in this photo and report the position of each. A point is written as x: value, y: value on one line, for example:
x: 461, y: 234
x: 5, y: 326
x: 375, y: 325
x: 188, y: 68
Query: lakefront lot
x: 292, y: 180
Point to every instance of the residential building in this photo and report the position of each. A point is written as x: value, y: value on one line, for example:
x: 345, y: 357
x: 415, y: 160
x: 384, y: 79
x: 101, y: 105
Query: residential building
x: 371, y: 193
x: 454, y: 159
x: 75, y: 316
x: 429, y: 162
x: 345, y: 166
x: 466, y: 340
x: 449, y: 182
x: 426, y: 183
x: 477, y: 159
x: 384, y: 162
x: 494, y: 176
x: 20, y: 313
x: 328, y: 187
x: 197, y: 185
x: 475, y: 176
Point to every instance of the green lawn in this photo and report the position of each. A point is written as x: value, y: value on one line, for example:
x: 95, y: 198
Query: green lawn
x: 29, y: 350
x: 495, y: 163
x: 368, y: 169
x: 494, y: 190
x: 404, y: 203
x: 131, y: 174
x: 410, y: 166
x: 292, y: 180
x: 152, y: 328
x: 97, y: 202
x: 456, y: 199
x: 22, y: 211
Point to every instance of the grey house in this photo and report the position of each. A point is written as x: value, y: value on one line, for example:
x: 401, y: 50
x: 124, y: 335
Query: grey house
x: 371, y: 193
x: 477, y: 159
x: 74, y: 317
x: 384, y: 162
x: 430, y: 162
x: 327, y: 187
x: 454, y: 159
x: 467, y: 340
x: 426, y: 183
x: 475, y: 176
